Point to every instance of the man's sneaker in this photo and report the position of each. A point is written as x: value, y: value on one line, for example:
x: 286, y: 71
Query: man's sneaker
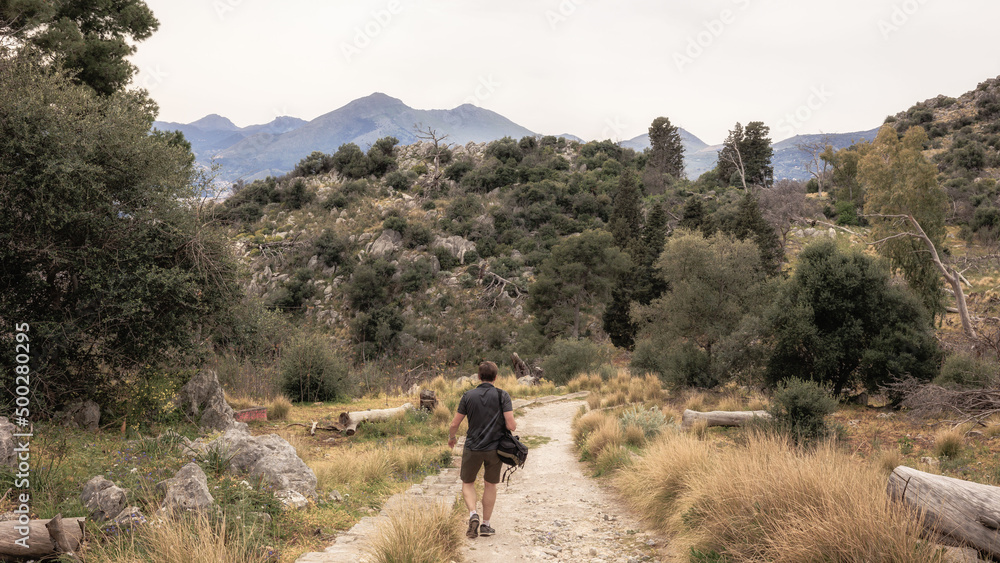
x: 473, y: 526
x: 485, y: 530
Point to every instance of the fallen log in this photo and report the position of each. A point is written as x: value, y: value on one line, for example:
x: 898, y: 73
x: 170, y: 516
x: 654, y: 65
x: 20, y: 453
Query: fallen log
x: 314, y: 426
x: 44, y: 539
x: 963, y: 511
x: 350, y: 420
x: 720, y: 418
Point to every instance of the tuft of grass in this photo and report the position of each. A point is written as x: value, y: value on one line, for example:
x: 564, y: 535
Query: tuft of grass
x: 635, y: 435
x: 586, y: 423
x: 594, y: 401
x: 608, y: 434
x: 611, y: 459
x: 418, y: 534
x: 887, y: 460
x: 696, y: 401
x: 948, y: 442
x: 279, y: 408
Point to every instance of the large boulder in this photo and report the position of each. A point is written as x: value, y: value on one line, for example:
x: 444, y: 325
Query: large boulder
x: 103, y: 499
x: 203, y: 400
x: 8, y: 457
x: 388, y: 242
x: 270, y: 457
x: 186, y: 491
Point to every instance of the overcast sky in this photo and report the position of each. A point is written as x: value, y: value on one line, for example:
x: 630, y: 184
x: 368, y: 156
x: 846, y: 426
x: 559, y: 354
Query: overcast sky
x: 593, y: 68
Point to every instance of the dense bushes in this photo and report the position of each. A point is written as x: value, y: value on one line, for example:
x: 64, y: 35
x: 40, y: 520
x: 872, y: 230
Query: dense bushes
x: 571, y: 357
x: 311, y: 371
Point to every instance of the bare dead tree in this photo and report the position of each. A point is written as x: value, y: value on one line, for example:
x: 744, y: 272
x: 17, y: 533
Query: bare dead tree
x: 816, y: 165
x: 951, y: 275
x: 732, y: 155
x: 785, y: 204
x: 925, y: 400
x: 431, y: 134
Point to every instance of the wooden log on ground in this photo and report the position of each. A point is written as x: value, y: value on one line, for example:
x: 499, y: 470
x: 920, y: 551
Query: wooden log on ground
x: 720, y: 418
x: 350, y: 420
x: 963, y: 511
x: 40, y: 542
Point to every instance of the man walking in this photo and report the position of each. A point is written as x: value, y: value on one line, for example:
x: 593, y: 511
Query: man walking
x: 489, y: 409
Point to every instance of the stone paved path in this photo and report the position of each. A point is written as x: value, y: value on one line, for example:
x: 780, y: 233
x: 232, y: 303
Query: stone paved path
x: 550, y: 511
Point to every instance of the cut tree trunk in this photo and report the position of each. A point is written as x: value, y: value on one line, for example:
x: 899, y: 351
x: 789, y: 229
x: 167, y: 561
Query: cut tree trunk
x: 521, y: 369
x: 966, y: 512
x: 45, y: 538
x: 350, y: 420
x: 720, y: 418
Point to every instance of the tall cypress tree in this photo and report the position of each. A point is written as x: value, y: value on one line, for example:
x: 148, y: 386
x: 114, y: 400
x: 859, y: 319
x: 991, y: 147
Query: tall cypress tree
x: 625, y: 222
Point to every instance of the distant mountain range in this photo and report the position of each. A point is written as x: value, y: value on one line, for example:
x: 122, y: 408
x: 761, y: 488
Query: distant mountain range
x: 274, y: 148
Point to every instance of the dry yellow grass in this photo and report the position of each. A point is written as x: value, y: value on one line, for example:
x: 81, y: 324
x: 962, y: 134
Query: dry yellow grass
x: 371, y: 464
x: 887, y: 460
x: 634, y: 435
x: 240, y: 403
x: 424, y: 533
x: 192, y: 539
x: 655, y: 481
x: 594, y: 401
x: 948, y: 442
x: 586, y: 423
x: 298, y: 441
x: 607, y: 434
x: 441, y: 415
x: 696, y: 401
x: 730, y: 403
x: 585, y: 382
x: 279, y: 408
x: 829, y: 506
x: 699, y: 429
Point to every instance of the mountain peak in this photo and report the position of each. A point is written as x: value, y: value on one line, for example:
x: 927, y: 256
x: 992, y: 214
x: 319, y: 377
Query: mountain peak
x: 216, y: 122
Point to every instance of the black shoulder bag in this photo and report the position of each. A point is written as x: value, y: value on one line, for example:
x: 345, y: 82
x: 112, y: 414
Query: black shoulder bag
x: 510, y: 449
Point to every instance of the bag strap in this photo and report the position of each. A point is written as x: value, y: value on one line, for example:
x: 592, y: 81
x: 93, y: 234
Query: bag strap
x: 500, y: 402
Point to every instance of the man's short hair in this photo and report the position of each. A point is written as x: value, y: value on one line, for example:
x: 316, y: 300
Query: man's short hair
x: 487, y: 371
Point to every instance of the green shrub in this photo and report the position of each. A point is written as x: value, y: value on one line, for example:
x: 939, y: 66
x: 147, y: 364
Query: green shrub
x: 570, y: 358
x: 847, y: 213
x: 801, y: 407
x: 651, y: 421
x: 965, y: 370
x: 458, y: 170
x: 397, y: 224
x: 311, y: 371
x: 398, y: 181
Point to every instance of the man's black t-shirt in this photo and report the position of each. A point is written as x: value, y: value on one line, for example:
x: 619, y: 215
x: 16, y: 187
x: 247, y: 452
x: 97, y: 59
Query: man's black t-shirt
x: 486, y: 420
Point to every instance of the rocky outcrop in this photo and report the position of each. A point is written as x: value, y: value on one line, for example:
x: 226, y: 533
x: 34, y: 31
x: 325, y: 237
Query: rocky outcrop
x: 455, y: 245
x: 203, y: 400
x: 103, y: 499
x: 186, y: 491
x: 270, y: 457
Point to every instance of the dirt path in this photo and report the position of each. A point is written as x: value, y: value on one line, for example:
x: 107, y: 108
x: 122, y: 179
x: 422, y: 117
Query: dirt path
x: 552, y: 511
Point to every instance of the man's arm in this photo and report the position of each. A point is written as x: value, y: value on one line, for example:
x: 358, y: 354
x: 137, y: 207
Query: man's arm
x: 508, y: 417
x: 453, y: 429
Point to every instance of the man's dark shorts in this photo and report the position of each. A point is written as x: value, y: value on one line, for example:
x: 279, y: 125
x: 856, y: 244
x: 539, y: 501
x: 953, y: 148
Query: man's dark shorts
x: 472, y: 461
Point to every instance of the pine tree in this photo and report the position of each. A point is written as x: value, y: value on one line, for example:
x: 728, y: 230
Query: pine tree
x: 666, y: 153
x: 625, y: 222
